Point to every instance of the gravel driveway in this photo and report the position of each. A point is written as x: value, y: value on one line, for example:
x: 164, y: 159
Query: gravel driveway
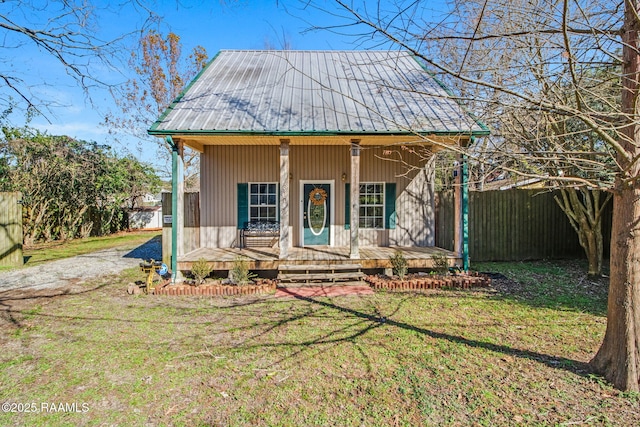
x: 79, y: 268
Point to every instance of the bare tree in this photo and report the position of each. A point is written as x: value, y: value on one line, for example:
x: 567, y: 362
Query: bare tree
x: 542, y: 73
x: 66, y: 31
x: 162, y: 72
x: 530, y: 141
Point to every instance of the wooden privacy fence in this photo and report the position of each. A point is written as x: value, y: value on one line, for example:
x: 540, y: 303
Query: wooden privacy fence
x: 11, y: 229
x: 191, y: 233
x: 514, y: 225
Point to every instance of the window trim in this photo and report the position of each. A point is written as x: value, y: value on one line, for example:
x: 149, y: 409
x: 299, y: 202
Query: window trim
x: 382, y: 205
x: 250, y: 205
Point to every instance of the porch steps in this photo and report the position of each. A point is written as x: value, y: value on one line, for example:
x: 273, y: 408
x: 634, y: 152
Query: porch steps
x: 292, y: 275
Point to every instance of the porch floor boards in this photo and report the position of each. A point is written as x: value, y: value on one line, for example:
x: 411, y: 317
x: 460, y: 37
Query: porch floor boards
x: 268, y: 258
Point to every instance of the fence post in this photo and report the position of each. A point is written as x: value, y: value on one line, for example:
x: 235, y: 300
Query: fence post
x: 11, y: 237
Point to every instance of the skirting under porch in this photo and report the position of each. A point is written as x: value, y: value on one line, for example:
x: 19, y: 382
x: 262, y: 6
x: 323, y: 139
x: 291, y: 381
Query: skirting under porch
x: 268, y: 258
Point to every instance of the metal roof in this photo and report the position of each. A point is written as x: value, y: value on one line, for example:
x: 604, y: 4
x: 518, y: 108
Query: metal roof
x: 311, y: 92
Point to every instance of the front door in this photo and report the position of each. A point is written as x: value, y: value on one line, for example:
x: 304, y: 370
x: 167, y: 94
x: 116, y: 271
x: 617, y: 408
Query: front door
x: 316, y: 213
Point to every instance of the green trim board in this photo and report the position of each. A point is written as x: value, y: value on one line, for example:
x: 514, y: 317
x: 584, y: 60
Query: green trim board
x: 243, y: 204
x: 465, y: 212
x: 347, y: 206
x: 177, y: 132
x: 390, y: 216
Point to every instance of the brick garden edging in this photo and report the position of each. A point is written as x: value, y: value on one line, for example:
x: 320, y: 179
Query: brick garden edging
x: 413, y: 283
x: 264, y: 286
x: 268, y: 286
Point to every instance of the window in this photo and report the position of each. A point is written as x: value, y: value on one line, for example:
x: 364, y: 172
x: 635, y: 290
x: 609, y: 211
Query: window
x: 372, y: 205
x: 263, y: 202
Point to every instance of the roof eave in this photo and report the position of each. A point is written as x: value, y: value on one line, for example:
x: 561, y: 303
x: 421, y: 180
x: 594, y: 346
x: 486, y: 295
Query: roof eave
x: 167, y: 132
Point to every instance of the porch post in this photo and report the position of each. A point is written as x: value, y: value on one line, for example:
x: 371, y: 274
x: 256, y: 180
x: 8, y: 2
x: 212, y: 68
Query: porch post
x: 284, y: 198
x: 355, y: 199
x: 461, y: 211
x: 457, y: 208
x: 177, y: 207
x: 465, y: 213
x: 181, y: 243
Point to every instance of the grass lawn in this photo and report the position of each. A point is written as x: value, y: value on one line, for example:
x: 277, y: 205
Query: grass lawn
x: 512, y: 355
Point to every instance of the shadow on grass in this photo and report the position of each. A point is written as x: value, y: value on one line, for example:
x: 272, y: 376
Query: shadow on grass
x: 356, y: 323
x: 360, y: 325
x: 10, y: 299
x: 371, y: 322
x: 558, y: 285
x: 17, y: 295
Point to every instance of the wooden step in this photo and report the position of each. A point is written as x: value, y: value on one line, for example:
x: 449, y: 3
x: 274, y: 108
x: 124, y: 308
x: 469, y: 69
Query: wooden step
x: 322, y: 284
x: 329, y: 273
x: 318, y: 267
x: 351, y: 275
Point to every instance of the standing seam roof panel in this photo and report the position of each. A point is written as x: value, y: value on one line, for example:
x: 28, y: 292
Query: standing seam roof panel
x: 352, y: 91
x: 382, y: 108
x: 391, y: 86
x: 267, y: 99
x: 367, y: 93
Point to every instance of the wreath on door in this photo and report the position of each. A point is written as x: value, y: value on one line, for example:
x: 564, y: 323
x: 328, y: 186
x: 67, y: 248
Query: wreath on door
x: 317, y: 196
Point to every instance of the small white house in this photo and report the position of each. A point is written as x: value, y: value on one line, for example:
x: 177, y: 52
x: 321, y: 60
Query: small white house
x: 145, y: 218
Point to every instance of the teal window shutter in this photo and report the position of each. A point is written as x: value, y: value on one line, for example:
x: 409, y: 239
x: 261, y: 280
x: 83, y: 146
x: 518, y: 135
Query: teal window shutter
x: 390, y: 215
x: 347, y: 206
x: 243, y: 204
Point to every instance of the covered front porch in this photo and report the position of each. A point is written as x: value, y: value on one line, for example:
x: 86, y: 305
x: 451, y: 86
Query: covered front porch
x: 269, y: 258
x: 348, y: 178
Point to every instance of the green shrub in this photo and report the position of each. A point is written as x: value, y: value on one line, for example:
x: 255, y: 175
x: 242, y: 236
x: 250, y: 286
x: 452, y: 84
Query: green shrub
x: 200, y: 270
x: 440, y: 263
x: 399, y: 264
x: 240, y: 274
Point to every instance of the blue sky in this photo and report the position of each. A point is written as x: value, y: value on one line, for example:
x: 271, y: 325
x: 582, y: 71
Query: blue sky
x: 216, y: 25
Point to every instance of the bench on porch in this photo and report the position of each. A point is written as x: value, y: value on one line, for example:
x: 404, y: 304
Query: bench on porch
x: 260, y: 233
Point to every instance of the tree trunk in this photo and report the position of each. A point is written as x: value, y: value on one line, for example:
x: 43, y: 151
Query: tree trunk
x: 594, y: 249
x: 618, y: 358
x: 584, y: 209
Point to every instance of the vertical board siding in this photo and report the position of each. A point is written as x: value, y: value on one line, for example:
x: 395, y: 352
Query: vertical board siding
x: 444, y: 220
x: 414, y: 196
x: 514, y: 225
x: 222, y: 167
x: 11, y: 229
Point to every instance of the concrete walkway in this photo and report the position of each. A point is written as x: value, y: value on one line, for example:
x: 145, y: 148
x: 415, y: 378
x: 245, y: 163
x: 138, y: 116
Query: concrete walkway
x: 78, y: 269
